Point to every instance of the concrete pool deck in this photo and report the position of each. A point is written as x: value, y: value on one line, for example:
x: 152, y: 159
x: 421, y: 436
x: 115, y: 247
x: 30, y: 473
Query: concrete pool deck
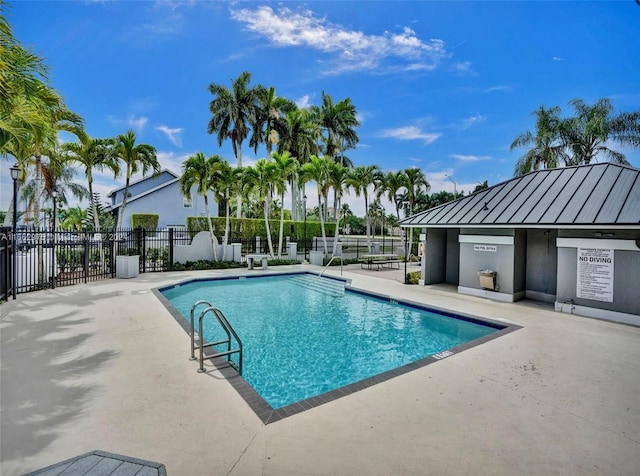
x: 103, y: 366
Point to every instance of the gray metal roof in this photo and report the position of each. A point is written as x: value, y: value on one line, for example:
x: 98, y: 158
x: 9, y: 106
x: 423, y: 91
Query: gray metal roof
x: 600, y: 195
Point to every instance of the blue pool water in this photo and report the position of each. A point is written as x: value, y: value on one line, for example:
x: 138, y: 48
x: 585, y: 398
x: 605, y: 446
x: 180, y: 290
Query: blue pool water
x: 300, y: 342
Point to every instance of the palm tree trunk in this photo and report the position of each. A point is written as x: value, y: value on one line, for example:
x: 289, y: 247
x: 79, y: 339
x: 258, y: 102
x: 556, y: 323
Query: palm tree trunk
x: 124, y: 199
x: 335, y: 239
x: 239, y: 197
x: 324, y: 235
x: 226, y: 228
x: 281, y: 228
x: 366, y: 220
x: 214, y: 240
x: 266, y: 224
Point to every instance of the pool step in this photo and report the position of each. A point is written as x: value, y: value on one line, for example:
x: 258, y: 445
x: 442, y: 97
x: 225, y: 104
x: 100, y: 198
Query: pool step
x: 331, y: 287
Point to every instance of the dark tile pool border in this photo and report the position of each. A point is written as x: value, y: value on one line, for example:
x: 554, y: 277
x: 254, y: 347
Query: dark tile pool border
x: 267, y: 413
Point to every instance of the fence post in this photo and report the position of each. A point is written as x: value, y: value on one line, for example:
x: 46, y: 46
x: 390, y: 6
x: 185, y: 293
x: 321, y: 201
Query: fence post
x: 86, y: 256
x: 170, y: 264
x: 144, y: 250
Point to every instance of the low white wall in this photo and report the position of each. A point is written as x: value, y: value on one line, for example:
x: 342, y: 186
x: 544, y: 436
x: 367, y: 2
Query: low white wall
x: 200, y: 249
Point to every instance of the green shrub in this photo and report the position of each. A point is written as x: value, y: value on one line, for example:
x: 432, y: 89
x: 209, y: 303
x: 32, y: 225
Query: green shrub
x: 248, y: 228
x: 413, y: 277
x: 148, y: 221
x: 336, y: 262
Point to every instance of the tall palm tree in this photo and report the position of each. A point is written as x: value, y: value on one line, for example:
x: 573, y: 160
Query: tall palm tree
x: 136, y: 157
x: 416, y: 182
x: 262, y: 180
x: 199, y: 171
x: 233, y: 110
x: 92, y: 154
x: 360, y: 179
x: 225, y: 185
x: 589, y: 133
x: 300, y: 139
x: 547, y: 146
x: 318, y: 170
x: 338, y: 175
x: 269, y: 122
x: 338, y: 121
x: 393, y: 183
x: 286, y: 168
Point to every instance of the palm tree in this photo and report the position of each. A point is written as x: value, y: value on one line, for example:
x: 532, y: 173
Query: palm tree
x: 232, y: 112
x: 92, y: 154
x: 140, y: 157
x: 300, y: 140
x: 225, y: 185
x: 392, y: 184
x: 416, y: 182
x: 73, y: 218
x: 318, y: 170
x: 286, y: 168
x: 270, y: 123
x: 338, y: 175
x: 338, y: 120
x: 360, y: 179
x: 262, y: 180
x: 594, y: 127
x: 547, y: 145
x: 199, y: 171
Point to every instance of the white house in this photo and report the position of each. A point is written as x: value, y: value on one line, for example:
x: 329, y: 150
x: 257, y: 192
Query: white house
x: 161, y: 194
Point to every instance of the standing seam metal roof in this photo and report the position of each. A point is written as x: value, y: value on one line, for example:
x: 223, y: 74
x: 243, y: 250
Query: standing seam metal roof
x: 595, y: 194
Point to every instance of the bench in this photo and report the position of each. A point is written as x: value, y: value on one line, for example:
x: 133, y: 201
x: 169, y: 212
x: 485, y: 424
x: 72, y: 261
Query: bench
x: 251, y: 258
x: 379, y: 261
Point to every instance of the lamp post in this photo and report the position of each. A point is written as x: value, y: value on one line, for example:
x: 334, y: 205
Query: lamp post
x: 15, y: 173
x: 304, y: 206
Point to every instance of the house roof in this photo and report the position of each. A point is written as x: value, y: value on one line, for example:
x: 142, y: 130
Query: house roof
x: 146, y: 192
x: 601, y: 195
x: 116, y: 190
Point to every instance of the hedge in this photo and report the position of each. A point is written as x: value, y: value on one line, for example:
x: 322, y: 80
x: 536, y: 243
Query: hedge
x: 148, y: 221
x: 249, y: 228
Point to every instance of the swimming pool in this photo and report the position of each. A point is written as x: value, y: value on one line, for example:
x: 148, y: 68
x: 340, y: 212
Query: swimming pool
x: 304, y: 337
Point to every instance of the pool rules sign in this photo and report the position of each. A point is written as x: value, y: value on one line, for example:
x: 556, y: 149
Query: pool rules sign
x: 595, y: 274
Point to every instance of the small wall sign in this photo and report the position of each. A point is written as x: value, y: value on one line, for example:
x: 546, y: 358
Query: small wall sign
x: 491, y: 248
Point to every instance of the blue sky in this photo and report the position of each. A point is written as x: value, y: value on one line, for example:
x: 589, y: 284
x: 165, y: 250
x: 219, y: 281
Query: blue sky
x: 445, y: 86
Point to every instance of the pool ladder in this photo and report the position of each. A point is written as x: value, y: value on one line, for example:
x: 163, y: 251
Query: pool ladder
x: 210, y: 310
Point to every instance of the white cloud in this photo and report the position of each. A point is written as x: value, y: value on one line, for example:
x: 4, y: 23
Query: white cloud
x: 472, y: 121
x: 463, y: 68
x: 470, y: 158
x: 172, y: 134
x: 558, y: 58
x: 172, y: 161
x: 132, y: 122
x: 303, y: 102
x: 349, y: 50
x: 411, y: 133
x: 499, y: 88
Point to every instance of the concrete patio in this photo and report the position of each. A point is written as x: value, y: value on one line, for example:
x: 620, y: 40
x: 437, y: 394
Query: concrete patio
x: 103, y: 366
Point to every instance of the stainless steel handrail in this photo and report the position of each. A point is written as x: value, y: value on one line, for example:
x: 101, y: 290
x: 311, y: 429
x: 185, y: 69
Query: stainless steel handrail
x: 229, y: 331
x: 329, y: 264
x: 193, y: 309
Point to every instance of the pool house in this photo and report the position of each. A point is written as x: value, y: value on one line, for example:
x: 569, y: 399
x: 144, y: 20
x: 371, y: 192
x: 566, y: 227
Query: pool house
x: 568, y: 236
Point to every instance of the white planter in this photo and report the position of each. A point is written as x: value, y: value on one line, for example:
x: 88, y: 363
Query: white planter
x: 127, y: 266
x: 316, y: 258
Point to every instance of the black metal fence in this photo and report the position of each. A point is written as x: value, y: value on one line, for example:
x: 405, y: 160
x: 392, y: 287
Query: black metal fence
x: 45, y: 259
